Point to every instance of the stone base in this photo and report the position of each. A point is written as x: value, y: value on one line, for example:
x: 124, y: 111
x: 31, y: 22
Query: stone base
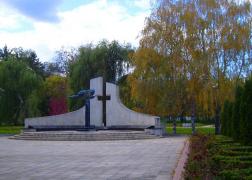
x: 58, y: 128
x: 103, y: 135
x: 157, y: 131
x: 123, y: 127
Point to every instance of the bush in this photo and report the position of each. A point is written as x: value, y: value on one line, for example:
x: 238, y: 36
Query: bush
x: 234, y: 153
x: 246, y: 113
x: 236, y: 117
x: 218, y: 157
x: 236, y: 112
x: 226, y: 119
x: 236, y: 173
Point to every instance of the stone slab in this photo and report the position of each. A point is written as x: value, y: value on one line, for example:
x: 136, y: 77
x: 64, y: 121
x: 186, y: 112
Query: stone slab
x: 75, y: 118
x: 134, y: 159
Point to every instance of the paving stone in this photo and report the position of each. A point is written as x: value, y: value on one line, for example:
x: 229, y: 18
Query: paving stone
x: 113, y: 160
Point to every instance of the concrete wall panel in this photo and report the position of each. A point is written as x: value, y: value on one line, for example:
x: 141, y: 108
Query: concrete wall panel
x: 75, y: 118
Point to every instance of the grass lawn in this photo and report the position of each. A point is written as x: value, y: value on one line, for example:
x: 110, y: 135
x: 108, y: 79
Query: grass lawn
x: 10, y: 129
x: 179, y: 124
x: 188, y: 131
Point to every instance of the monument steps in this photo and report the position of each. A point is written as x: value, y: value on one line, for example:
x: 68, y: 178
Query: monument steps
x: 83, y: 136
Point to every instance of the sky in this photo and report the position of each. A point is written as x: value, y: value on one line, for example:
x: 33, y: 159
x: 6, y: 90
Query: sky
x: 49, y: 25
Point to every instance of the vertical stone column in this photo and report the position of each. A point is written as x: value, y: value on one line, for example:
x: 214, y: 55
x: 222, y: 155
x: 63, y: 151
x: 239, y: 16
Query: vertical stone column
x: 95, y: 105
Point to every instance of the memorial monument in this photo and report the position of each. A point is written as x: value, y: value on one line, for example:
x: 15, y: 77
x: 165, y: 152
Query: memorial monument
x: 106, y: 112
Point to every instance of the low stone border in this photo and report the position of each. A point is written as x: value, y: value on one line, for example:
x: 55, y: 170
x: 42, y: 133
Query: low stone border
x: 178, y: 172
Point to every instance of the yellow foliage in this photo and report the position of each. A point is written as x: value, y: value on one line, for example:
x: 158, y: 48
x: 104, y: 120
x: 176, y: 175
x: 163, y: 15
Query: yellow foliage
x: 56, y: 86
x: 191, y: 52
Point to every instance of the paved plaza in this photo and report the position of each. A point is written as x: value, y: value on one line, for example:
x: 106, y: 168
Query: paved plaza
x: 91, y: 160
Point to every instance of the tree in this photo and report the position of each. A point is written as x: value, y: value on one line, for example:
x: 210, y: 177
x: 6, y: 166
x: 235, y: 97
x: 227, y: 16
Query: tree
x: 246, y: 113
x: 28, y: 57
x: 206, y: 44
x: 4, y: 53
x: 227, y: 127
x: 110, y: 59
x: 224, y: 118
x: 62, y: 61
x: 18, y: 82
x: 125, y: 92
x: 56, y: 90
x: 230, y: 127
x: 236, y: 118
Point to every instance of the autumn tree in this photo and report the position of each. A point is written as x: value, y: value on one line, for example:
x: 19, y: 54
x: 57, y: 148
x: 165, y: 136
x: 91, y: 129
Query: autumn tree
x: 206, y: 44
x: 56, y: 90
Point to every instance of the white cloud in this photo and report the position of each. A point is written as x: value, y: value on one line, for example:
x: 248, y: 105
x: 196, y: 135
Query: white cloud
x: 84, y: 24
x: 144, y: 4
x: 9, y: 18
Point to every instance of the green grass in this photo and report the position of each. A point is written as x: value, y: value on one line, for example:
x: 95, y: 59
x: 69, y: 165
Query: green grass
x: 179, y: 124
x: 10, y: 129
x: 188, y: 131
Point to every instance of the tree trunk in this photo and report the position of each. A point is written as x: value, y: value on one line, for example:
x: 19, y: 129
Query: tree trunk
x: 174, y: 125
x: 217, y: 119
x: 193, y: 117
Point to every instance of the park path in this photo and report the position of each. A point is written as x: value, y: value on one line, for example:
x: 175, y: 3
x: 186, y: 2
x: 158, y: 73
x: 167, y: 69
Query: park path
x: 129, y: 159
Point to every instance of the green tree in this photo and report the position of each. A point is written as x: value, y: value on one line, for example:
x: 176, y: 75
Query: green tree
x: 230, y: 127
x: 27, y: 56
x: 18, y: 82
x: 61, y: 62
x: 224, y: 118
x: 236, y: 118
x: 92, y: 61
x: 246, y: 113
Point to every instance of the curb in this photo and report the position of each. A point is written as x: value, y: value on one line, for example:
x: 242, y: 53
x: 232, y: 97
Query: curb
x: 178, y: 172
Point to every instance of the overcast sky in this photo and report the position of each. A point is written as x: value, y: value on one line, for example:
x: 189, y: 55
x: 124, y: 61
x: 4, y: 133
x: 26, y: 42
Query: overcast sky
x: 47, y: 25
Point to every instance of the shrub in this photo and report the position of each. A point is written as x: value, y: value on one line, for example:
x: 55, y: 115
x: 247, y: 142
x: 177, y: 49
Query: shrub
x: 236, y: 173
x: 236, y: 117
x: 236, y: 112
x: 246, y: 113
x: 226, y: 119
x: 218, y: 157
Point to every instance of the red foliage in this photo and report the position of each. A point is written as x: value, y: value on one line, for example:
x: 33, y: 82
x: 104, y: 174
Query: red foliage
x: 57, y: 106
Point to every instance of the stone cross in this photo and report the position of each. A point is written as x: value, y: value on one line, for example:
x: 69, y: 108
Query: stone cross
x: 104, y: 98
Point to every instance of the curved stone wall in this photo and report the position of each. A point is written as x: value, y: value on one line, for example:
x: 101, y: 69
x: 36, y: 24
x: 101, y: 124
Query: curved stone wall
x: 119, y: 114
x: 75, y: 118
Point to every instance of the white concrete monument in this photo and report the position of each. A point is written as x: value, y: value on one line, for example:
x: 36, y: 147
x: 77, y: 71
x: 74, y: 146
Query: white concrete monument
x: 117, y: 115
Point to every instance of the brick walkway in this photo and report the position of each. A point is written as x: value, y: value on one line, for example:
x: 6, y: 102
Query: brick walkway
x: 129, y: 159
